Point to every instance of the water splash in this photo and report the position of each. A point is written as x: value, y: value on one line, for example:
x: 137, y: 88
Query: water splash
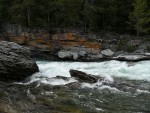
x: 108, y: 69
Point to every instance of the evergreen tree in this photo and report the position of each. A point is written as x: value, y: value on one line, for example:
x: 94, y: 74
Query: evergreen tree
x: 140, y: 16
x: 71, y: 12
x: 107, y: 15
x: 124, y: 8
x: 100, y: 14
x: 4, y: 4
x: 21, y: 11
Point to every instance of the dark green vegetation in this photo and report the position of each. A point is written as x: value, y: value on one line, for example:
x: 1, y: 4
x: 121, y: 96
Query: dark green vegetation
x: 108, y: 15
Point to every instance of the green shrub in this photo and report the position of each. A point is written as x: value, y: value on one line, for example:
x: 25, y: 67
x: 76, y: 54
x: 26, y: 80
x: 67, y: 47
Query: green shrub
x: 131, y: 48
x: 148, y: 48
x: 2, y: 94
x: 121, y: 45
x: 147, y: 39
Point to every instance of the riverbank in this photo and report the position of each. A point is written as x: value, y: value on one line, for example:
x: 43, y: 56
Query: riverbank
x: 74, y: 45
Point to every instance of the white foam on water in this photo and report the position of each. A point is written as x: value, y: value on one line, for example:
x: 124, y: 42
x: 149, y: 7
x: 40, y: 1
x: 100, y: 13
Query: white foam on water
x: 100, y: 86
x: 49, y: 80
x: 58, y: 81
x: 99, y: 109
x: 142, y: 91
x: 108, y: 69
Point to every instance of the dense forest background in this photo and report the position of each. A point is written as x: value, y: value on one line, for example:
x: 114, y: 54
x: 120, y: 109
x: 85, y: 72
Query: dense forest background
x: 132, y: 16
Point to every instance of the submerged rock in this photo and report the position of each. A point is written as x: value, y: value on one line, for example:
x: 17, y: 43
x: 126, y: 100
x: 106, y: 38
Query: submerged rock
x: 83, y: 77
x: 15, y: 62
x: 74, y: 85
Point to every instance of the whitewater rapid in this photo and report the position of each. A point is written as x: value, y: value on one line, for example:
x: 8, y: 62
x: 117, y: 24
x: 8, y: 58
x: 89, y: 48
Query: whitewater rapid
x: 108, y: 69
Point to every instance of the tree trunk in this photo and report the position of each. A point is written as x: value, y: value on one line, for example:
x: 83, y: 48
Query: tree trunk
x: 48, y: 19
x: 137, y: 31
x: 28, y: 16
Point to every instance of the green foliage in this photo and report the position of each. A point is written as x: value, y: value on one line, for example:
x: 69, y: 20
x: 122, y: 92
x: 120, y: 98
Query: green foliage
x: 131, y: 48
x: 1, y: 7
x: 141, y: 16
x: 4, y: 4
x: 2, y: 94
x: 108, y: 15
x: 20, y: 10
x: 124, y: 8
x: 123, y: 46
x: 101, y: 14
x: 70, y: 12
x: 148, y: 48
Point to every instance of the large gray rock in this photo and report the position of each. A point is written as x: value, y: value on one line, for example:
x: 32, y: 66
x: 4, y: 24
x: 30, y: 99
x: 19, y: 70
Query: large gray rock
x: 68, y: 55
x: 15, y: 62
x: 82, y: 53
x: 75, y: 56
x: 107, y: 53
x: 64, y: 54
x: 95, y: 57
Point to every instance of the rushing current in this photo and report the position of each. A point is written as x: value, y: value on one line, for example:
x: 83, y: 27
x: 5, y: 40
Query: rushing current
x: 108, y: 69
x: 127, y: 89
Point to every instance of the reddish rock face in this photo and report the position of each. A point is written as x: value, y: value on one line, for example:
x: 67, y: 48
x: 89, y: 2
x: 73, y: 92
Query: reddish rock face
x: 43, y: 40
x: 72, y: 40
x: 21, y: 40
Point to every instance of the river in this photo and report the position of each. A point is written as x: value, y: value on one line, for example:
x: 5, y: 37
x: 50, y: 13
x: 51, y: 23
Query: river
x: 129, y: 91
x: 108, y: 69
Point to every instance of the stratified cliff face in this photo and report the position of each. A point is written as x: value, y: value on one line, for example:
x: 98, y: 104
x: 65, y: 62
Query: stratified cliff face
x: 41, y: 42
x: 73, y: 40
x: 73, y: 44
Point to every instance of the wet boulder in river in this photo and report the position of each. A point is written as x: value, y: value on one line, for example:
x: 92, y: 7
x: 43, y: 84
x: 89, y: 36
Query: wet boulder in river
x: 15, y: 62
x: 83, y: 77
